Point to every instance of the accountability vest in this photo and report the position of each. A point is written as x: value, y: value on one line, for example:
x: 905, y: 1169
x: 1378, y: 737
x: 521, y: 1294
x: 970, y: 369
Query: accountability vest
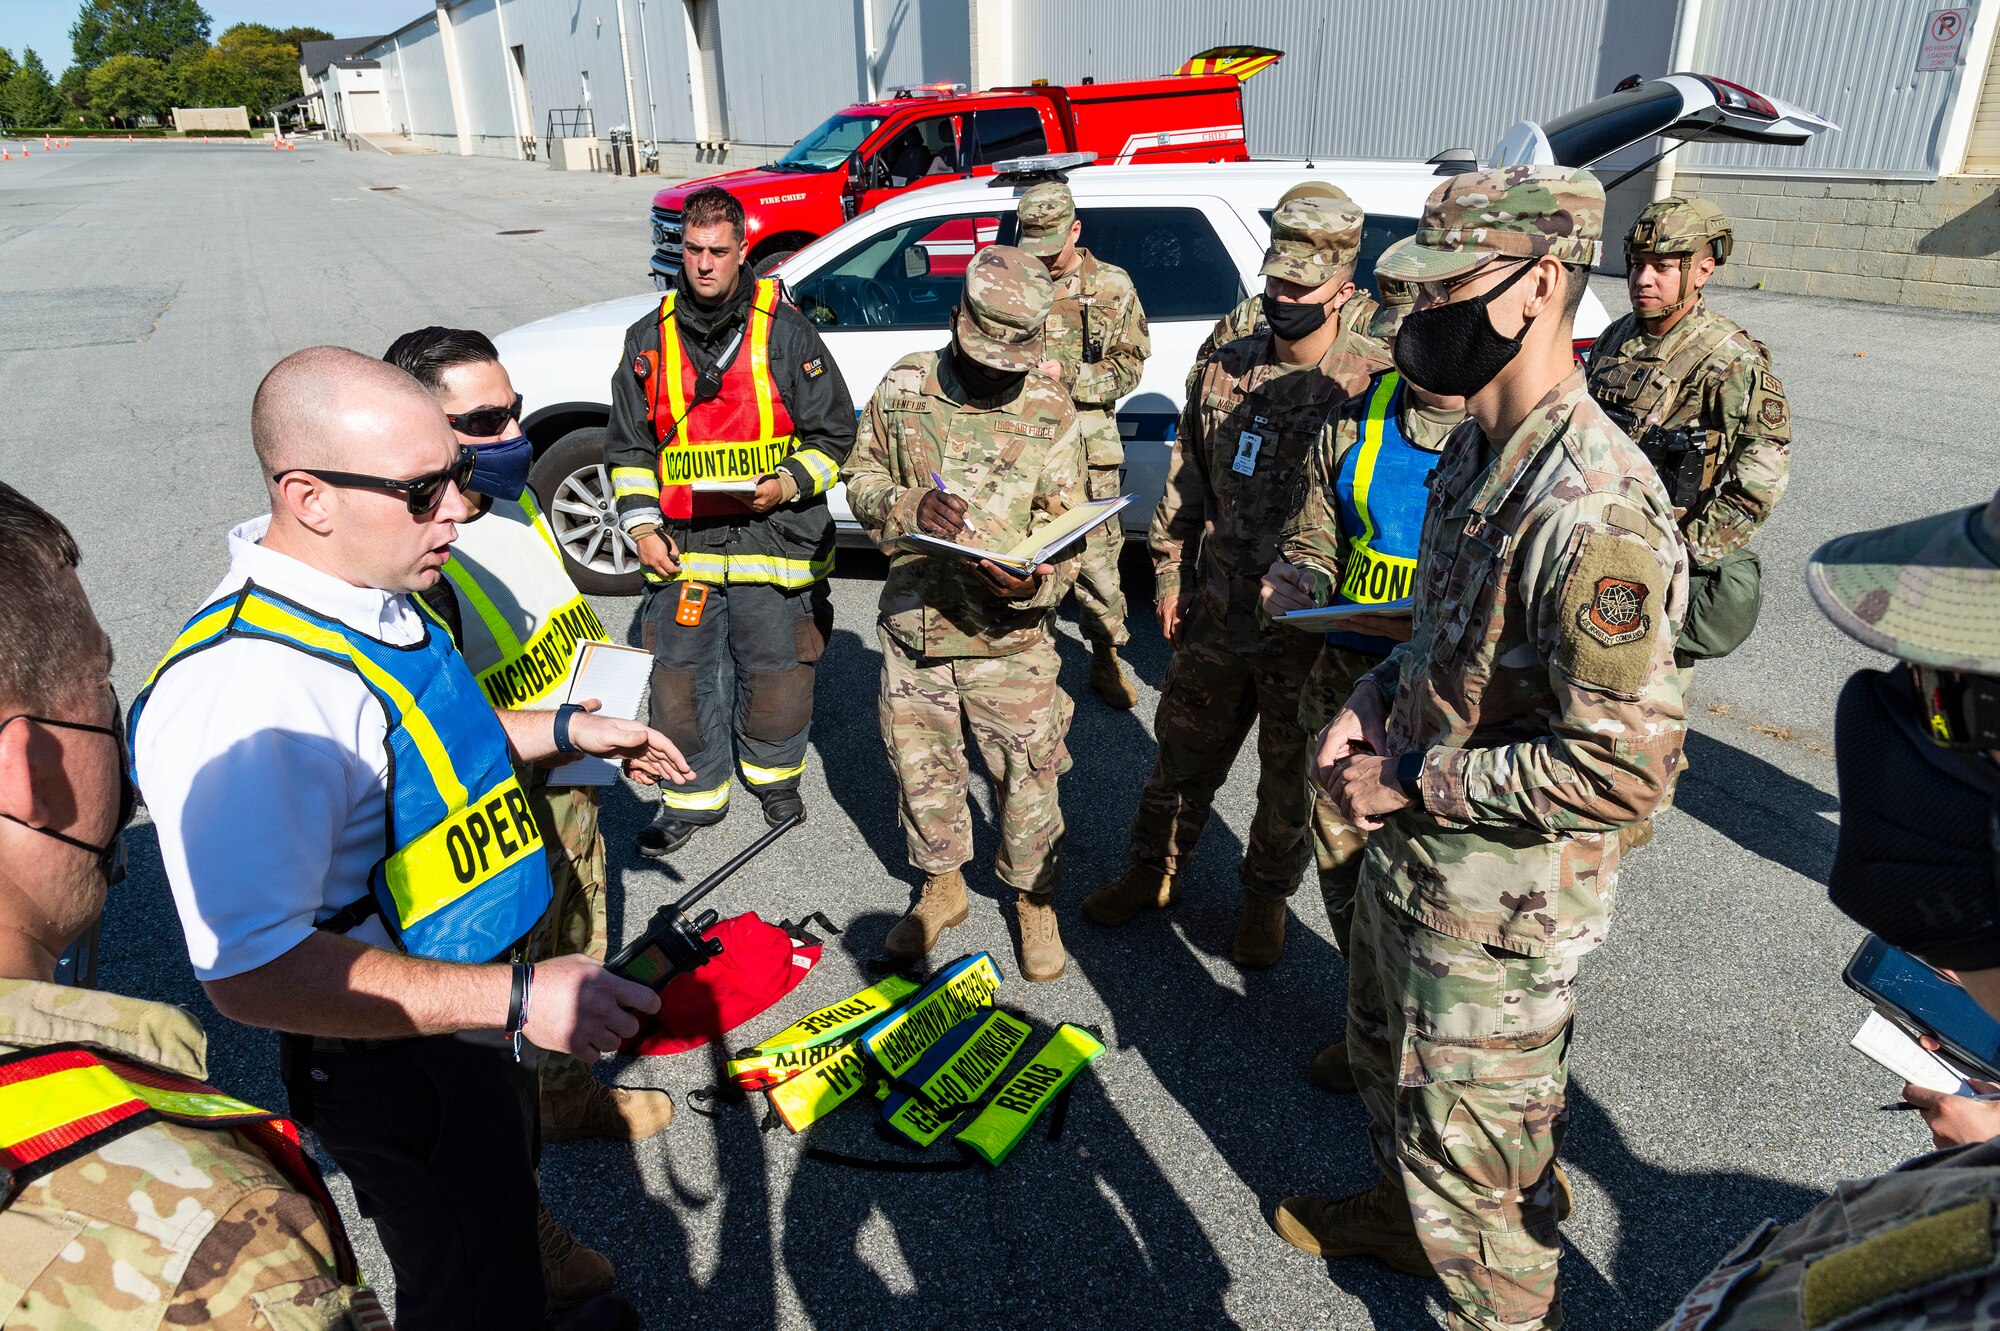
x: 62, y: 1102
x: 464, y: 875
x: 523, y: 617
x: 740, y: 434
x: 1381, y: 494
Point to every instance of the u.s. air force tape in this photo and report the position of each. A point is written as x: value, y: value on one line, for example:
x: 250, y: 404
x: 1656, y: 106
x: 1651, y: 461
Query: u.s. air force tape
x: 1013, y: 1109
x: 952, y: 1074
x: 896, y: 1042
x: 817, y: 1036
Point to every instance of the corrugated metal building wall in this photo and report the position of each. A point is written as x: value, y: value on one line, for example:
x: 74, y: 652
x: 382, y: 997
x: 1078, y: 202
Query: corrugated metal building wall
x: 420, y: 96
x: 484, y: 86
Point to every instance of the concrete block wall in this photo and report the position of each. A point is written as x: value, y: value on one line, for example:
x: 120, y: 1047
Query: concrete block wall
x: 1932, y: 243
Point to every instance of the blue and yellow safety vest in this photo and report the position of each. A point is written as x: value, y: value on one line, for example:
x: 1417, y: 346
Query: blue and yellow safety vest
x: 464, y: 876
x: 1381, y: 494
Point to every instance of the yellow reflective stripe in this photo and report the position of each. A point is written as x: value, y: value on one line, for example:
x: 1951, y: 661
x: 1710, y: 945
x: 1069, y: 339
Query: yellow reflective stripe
x: 1371, y: 448
x: 534, y: 671
x: 1014, y: 1108
x: 765, y: 776
x: 823, y: 470
x: 700, y: 567
x: 897, y: 1042
x: 670, y: 363
x: 974, y: 1064
x: 805, y: 1099
x: 204, y: 625
x: 761, y: 303
x: 837, y: 1019
x: 42, y: 1104
x: 477, y: 842
x: 541, y: 524
x: 729, y: 460
x: 264, y: 615
x: 489, y: 614
x: 1369, y: 576
x: 626, y: 481
x: 695, y: 799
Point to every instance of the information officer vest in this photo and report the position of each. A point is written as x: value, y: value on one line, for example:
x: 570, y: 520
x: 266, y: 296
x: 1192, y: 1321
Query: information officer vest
x: 523, y: 616
x: 62, y: 1102
x: 740, y: 434
x: 1381, y: 493
x: 464, y: 876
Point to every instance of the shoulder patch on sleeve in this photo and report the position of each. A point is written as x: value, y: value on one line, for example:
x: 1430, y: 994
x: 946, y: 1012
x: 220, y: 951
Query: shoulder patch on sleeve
x: 1769, y: 382
x: 1611, y: 603
x: 815, y: 367
x: 1767, y: 402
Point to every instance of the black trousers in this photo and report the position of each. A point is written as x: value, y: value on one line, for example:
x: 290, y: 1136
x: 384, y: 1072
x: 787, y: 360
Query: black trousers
x: 440, y: 1138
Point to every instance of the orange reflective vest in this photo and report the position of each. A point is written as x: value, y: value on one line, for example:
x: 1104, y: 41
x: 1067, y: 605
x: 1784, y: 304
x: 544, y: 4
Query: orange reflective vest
x: 730, y: 439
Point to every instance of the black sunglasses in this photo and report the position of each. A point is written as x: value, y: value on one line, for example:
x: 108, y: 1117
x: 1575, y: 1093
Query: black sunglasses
x: 484, y: 422
x: 422, y: 493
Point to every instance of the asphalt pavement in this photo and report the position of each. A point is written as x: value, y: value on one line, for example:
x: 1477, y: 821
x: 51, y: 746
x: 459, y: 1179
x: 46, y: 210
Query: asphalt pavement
x: 146, y: 288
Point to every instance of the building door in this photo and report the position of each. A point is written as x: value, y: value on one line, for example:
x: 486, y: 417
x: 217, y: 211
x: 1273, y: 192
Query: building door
x: 524, y: 102
x: 705, y: 89
x: 365, y: 114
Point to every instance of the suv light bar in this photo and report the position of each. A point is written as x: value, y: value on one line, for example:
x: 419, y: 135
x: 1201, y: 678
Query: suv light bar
x: 1046, y: 166
x: 904, y: 92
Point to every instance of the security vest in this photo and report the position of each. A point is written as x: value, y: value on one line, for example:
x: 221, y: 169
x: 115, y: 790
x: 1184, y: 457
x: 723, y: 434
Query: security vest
x: 62, y: 1102
x: 740, y: 434
x: 1381, y: 493
x: 523, y: 617
x: 464, y: 876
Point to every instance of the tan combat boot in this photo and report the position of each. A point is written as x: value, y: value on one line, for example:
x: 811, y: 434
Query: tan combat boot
x: 1260, y: 932
x: 1332, y: 1072
x: 614, y: 1113
x: 571, y: 1271
x: 1373, y: 1224
x: 1634, y: 835
x: 1107, y: 677
x: 939, y: 906
x: 1042, y: 956
x: 1131, y: 892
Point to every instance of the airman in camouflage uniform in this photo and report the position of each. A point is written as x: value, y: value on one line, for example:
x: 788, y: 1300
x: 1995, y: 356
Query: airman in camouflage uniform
x: 1535, y: 711
x: 1258, y: 410
x: 1248, y: 316
x: 1095, y: 344
x: 962, y: 638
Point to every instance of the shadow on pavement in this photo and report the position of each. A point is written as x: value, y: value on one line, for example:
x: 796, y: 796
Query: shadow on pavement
x: 1759, y: 806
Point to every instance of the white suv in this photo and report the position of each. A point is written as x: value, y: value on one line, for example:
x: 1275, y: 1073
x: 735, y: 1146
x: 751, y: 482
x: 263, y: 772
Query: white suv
x: 1191, y: 236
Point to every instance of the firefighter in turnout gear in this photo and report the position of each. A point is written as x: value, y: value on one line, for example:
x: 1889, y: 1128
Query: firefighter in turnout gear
x: 729, y: 423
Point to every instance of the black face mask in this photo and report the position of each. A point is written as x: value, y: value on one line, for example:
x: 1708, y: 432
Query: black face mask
x: 1452, y: 349
x: 1918, y: 862
x: 1293, y: 320
x: 983, y: 381
x: 111, y: 856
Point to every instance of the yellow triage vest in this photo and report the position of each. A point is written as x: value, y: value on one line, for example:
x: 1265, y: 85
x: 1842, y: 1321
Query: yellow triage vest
x: 521, y: 615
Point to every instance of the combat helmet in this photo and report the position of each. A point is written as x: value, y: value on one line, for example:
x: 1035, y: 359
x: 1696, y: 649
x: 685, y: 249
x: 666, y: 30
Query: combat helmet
x: 1684, y: 226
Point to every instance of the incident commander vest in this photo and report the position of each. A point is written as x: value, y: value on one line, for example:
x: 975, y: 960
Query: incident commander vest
x: 740, y: 434
x: 463, y: 875
x: 524, y: 617
x: 1381, y: 492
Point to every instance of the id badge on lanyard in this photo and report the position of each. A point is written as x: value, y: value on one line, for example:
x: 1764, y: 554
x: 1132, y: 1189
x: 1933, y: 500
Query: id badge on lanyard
x: 1249, y: 443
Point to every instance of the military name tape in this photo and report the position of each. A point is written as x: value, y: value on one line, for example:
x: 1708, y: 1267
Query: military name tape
x: 896, y: 1042
x: 1013, y: 1110
x: 817, y: 1036
x: 953, y: 1073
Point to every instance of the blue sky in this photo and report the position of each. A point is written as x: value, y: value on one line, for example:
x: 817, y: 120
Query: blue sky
x: 44, y: 24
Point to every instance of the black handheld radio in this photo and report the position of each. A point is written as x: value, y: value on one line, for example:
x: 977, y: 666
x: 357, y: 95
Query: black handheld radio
x: 673, y: 942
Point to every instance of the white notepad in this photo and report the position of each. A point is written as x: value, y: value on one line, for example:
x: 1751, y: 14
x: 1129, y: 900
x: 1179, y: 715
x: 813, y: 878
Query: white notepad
x: 1042, y: 545
x: 1891, y: 1046
x: 1321, y: 618
x: 725, y: 487
x: 615, y: 676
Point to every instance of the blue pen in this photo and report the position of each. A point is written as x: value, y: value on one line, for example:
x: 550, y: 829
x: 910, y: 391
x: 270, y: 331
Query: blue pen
x: 944, y: 489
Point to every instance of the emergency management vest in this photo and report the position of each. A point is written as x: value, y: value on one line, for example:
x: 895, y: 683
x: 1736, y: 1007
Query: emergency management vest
x: 61, y: 1102
x: 511, y: 549
x: 464, y: 876
x: 1381, y: 493
x: 740, y: 434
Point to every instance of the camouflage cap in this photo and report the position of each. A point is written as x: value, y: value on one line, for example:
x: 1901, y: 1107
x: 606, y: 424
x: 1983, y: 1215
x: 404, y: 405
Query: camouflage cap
x: 1680, y: 225
x: 1046, y: 211
x: 1310, y: 189
x: 1007, y: 299
x: 1927, y: 591
x: 1313, y: 238
x: 1397, y: 299
x: 1521, y: 212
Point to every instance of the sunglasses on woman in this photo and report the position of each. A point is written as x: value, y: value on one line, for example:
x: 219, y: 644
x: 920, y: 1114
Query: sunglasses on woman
x: 485, y: 422
x: 421, y: 493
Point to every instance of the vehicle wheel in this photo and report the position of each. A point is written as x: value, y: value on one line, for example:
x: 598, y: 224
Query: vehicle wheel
x: 767, y: 262
x: 574, y: 487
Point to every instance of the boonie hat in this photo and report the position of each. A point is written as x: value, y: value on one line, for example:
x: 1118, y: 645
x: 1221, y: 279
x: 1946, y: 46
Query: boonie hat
x: 1046, y: 211
x: 1926, y: 591
x: 1520, y: 212
x: 1007, y: 299
x: 1313, y: 238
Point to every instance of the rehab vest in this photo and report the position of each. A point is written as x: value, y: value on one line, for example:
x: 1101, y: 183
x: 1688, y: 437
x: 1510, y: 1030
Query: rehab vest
x: 463, y: 876
x: 523, y: 616
x: 736, y: 436
x: 1381, y: 492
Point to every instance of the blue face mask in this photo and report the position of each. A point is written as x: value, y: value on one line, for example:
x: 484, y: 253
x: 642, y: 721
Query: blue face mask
x: 501, y: 469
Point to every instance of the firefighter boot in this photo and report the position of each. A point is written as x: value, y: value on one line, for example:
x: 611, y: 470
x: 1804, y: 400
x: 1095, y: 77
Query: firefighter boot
x: 587, y: 1107
x: 939, y: 906
x: 1332, y: 1072
x: 1107, y: 677
x: 1373, y: 1224
x: 667, y: 833
x: 1260, y: 932
x: 1131, y: 892
x: 1041, y: 942
x: 571, y: 1271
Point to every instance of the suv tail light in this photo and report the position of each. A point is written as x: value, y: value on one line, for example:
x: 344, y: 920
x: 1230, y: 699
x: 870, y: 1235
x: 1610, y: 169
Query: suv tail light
x: 1735, y: 97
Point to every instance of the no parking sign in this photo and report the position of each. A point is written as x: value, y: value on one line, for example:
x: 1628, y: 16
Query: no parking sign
x: 1944, y: 40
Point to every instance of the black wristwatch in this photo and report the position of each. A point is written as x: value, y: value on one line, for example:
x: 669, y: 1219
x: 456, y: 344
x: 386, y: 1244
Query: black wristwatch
x: 563, y: 715
x: 1410, y: 775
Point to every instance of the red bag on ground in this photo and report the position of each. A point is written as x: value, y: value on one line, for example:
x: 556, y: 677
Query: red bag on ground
x: 760, y: 964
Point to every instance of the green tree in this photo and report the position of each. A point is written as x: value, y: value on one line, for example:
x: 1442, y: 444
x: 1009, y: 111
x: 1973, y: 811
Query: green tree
x: 73, y: 88
x: 7, y: 65
x: 154, y: 29
x: 28, y: 97
x: 126, y: 86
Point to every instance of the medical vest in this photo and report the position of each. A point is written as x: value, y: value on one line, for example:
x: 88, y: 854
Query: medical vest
x: 522, y: 616
x: 1381, y: 493
x: 463, y: 876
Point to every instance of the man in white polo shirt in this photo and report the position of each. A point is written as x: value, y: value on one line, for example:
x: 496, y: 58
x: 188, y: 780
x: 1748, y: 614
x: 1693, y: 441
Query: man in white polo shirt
x: 351, y: 852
